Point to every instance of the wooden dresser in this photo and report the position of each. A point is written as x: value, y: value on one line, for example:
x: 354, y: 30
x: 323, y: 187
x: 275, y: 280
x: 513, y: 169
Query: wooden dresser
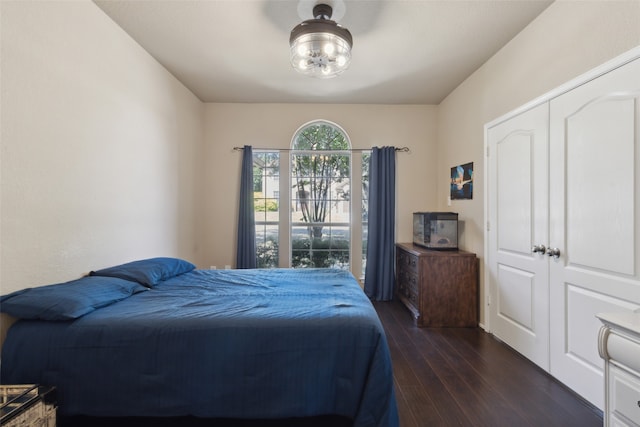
x: 440, y: 288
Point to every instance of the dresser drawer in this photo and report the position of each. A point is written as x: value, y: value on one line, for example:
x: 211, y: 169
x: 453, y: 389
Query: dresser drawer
x: 408, y: 276
x: 408, y: 262
x: 408, y: 288
x: 624, y: 396
x: 412, y: 296
x: 411, y: 281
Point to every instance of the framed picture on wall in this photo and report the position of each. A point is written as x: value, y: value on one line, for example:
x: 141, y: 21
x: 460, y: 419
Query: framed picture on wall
x: 462, y: 182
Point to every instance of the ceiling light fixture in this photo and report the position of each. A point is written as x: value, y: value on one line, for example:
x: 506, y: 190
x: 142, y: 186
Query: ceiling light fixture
x: 320, y: 47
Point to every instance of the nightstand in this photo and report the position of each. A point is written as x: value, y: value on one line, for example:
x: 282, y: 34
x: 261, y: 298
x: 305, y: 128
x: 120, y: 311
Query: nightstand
x: 619, y: 346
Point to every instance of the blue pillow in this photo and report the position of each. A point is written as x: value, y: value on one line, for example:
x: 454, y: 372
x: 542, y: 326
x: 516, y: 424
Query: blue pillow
x: 67, y: 301
x: 147, y: 272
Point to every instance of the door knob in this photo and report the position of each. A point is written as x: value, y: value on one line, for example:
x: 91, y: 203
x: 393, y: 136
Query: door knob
x: 539, y: 249
x: 554, y: 252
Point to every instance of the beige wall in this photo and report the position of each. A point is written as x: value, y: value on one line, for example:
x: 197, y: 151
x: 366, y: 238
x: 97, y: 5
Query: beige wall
x: 566, y: 40
x: 99, y: 147
x: 273, y: 126
x: 106, y: 157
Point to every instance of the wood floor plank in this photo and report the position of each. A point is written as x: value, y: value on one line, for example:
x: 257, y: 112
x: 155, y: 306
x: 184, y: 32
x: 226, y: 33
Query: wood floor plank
x: 500, y: 378
x: 440, y: 376
x: 469, y: 378
x: 506, y: 377
x: 439, y: 402
x: 405, y: 412
x: 520, y: 377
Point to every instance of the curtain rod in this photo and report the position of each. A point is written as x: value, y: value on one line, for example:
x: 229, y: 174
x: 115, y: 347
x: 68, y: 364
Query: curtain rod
x: 356, y: 150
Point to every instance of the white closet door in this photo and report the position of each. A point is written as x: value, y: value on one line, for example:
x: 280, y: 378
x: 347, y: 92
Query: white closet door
x: 518, y: 221
x: 594, y: 220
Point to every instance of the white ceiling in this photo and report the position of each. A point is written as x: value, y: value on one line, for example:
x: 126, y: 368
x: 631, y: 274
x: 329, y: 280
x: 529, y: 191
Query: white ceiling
x: 405, y: 51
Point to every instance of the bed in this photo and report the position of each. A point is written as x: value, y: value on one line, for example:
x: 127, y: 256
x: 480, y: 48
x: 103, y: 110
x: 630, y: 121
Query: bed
x: 178, y: 341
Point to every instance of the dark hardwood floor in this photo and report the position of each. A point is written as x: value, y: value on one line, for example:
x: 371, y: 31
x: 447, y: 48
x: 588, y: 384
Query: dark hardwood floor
x: 466, y: 377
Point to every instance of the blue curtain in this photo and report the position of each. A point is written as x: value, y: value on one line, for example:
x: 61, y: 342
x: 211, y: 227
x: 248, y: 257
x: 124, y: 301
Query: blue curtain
x: 379, y: 273
x: 246, y: 253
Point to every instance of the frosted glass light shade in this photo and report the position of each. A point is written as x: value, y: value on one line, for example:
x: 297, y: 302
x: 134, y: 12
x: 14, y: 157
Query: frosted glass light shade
x: 320, y: 47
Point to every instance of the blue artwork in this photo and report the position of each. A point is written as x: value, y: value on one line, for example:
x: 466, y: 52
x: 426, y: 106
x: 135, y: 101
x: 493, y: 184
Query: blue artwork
x: 462, y: 182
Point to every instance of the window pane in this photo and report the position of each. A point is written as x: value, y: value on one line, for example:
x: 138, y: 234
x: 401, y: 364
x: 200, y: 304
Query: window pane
x: 267, y: 245
x: 266, y: 202
x: 321, y: 136
x: 340, y: 238
x: 300, y: 247
x: 320, y: 246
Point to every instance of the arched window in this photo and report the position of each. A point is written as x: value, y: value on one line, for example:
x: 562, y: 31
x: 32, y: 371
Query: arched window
x: 320, y: 196
x: 311, y: 201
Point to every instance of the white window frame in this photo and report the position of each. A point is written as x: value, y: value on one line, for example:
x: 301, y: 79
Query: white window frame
x: 355, y: 201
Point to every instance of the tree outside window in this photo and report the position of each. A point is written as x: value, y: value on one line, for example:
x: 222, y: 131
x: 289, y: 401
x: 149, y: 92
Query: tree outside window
x: 307, y: 219
x: 320, y: 178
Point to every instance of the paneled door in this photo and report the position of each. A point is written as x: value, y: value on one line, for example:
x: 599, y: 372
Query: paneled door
x: 518, y: 178
x: 594, y: 196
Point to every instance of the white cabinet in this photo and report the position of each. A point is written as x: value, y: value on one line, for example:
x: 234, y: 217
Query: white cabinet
x: 563, y: 213
x: 619, y: 346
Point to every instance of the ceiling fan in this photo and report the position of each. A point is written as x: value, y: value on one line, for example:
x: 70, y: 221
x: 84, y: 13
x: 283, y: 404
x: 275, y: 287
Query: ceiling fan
x: 320, y: 47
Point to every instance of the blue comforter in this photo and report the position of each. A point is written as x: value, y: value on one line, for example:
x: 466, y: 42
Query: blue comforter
x: 235, y: 344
